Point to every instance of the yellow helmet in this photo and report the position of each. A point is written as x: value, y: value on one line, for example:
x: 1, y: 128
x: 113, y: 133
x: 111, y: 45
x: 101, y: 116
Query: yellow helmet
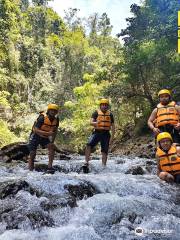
x: 163, y: 135
x: 104, y: 100
x: 164, y: 91
x: 53, y: 107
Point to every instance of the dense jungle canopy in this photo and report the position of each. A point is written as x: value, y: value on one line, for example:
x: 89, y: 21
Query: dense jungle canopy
x: 74, y: 62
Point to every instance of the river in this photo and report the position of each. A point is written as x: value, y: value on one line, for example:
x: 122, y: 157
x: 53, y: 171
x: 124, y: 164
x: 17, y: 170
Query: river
x: 125, y: 200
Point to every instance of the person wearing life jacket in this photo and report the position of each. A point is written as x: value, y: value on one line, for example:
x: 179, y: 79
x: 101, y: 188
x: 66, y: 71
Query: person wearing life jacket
x: 166, y: 116
x: 43, y: 133
x: 103, y: 122
x: 168, y: 158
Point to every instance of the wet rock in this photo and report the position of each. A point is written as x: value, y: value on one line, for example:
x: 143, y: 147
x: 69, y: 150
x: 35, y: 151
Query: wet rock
x: 138, y: 170
x: 41, y: 167
x: 54, y: 202
x: 64, y: 157
x: 15, y: 151
x: 12, y: 220
x: 120, y: 161
x: 14, y: 217
x: 6, y: 208
x: 151, y: 162
x: 20, y: 204
x: 151, y: 166
x: 23, y: 209
x: 20, y: 151
x: 149, y: 169
x: 132, y: 217
x: 80, y: 191
x: 12, y: 187
x: 39, y: 219
x: 74, y: 193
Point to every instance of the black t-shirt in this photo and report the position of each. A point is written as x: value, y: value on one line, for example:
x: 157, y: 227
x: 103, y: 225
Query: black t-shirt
x: 95, y: 115
x: 40, y: 122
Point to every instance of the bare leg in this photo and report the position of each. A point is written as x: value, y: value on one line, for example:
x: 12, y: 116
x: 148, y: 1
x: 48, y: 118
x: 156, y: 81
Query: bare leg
x: 31, y: 160
x: 87, y: 154
x: 50, y: 154
x: 104, y: 158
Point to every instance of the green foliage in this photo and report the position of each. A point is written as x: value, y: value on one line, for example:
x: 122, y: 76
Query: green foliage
x: 150, y: 58
x: 3, y: 98
x: 6, y: 136
x: 44, y: 58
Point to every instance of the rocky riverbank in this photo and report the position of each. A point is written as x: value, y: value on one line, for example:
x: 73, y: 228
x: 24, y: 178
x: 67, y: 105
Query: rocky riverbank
x: 142, y: 146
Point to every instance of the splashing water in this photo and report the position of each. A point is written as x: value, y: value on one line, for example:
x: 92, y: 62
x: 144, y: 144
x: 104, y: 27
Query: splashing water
x: 111, y: 203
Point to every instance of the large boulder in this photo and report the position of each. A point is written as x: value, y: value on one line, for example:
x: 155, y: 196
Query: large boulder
x: 14, y: 151
x: 20, y: 151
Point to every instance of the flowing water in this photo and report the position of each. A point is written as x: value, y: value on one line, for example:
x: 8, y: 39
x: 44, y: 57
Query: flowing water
x: 125, y: 200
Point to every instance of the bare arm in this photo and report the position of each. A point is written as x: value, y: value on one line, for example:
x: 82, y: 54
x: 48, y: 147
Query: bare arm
x: 177, y: 107
x: 151, y: 120
x: 178, y: 151
x: 93, y: 122
x: 112, y: 133
x: 177, y: 126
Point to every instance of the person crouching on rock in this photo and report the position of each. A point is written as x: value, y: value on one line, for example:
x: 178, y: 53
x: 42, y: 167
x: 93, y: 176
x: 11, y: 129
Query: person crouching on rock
x: 44, y: 132
x: 103, y: 121
x: 168, y: 157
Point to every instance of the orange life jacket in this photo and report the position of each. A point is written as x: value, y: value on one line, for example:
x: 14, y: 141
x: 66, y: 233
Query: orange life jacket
x: 169, y: 162
x: 48, y: 125
x: 166, y: 114
x: 104, y: 120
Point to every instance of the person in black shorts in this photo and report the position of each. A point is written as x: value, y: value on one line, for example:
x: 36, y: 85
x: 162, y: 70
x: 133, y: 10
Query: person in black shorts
x: 43, y: 133
x: 103, y: 122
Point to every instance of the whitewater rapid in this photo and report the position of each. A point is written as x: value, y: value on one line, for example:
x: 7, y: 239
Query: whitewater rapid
x: 111, y: 204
